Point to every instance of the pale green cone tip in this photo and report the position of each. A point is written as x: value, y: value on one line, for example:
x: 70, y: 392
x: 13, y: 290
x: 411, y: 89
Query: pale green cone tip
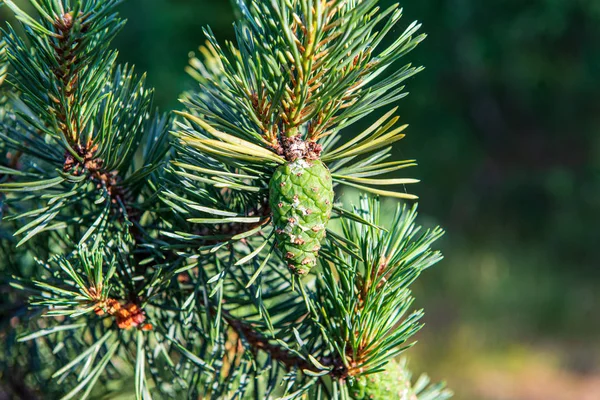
x: 391, y: 384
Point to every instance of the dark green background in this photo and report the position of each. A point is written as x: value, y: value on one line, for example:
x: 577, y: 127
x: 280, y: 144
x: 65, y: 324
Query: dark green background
x: 505, y: 124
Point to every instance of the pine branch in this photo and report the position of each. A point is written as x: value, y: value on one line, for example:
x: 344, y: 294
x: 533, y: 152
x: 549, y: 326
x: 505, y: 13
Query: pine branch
x: 250, y: 92
x: 301, y: 72
x: 86, y: 149
x: 72, y: 42
x: 79, y: 152
x: 363, y: 298
x: 259, y: 342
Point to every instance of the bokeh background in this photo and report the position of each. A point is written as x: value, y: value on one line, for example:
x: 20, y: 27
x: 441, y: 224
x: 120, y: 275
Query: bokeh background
x: 505, y: 122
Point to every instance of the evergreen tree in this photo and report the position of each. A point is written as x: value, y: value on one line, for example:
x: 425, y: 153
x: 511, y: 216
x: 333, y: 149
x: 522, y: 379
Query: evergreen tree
x: 214, y: 262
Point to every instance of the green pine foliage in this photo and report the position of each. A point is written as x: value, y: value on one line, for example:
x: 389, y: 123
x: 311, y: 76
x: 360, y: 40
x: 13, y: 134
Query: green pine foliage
x: 302, y: 74
x: 81, y: 143
x: 80, y: 122
x: 215, y: 261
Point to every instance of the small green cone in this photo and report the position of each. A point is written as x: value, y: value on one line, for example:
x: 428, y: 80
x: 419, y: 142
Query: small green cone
x: 301, y: 200
x: 391, y: 384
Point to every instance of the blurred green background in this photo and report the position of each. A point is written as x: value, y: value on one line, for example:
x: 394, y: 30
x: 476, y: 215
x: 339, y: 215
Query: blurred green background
x: 505, y: 122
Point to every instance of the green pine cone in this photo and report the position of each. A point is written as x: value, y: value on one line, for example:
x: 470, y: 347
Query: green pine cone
x: 301, y: 200
x: 391, y: 384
